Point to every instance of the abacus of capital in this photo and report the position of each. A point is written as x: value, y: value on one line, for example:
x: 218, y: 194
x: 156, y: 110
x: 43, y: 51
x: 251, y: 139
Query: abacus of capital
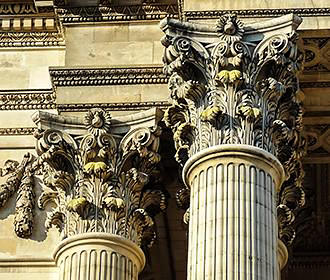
x: 236, y: 116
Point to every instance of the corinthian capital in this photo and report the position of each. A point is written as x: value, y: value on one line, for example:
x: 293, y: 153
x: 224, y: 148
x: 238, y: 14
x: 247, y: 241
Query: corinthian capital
x: 100, y: 181
x: 99, y: 174
x: 237, y: 84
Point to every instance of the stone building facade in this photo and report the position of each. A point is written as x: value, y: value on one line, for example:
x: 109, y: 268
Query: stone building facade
x: 164, y: 139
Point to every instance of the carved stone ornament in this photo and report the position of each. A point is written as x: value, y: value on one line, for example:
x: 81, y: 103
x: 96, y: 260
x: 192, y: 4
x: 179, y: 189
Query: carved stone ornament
x: 95, y: 181
x: 236, y: 84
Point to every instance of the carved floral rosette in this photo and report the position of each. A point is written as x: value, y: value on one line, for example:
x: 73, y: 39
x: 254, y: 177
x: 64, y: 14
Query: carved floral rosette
x: 229, y: 90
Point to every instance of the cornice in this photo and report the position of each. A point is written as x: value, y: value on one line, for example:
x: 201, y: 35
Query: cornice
x: 215, y: 14
x: 30, y: 25
x: 31, y: 31
x: 107, y: 76
x: 128, y: 106
x: 27, y: 99
x: 70, y: 15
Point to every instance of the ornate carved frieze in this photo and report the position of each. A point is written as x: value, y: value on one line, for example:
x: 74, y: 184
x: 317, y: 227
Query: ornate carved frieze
x: 107, y: 76
x: 116, y: 13
x: 230, y: 85
x: 97, y: 181
x: 17, y: 9
x: 215, y: 14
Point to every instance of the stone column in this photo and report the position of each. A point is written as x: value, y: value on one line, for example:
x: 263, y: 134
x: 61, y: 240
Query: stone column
x: 104, y: 189
x: 236, y: 118
x: 232, y: 228
x: 98, y: 256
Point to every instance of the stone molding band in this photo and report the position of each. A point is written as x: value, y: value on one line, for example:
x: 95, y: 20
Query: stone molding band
x: 232, y: 151
x: 129, y: 106
x: 107, y: 76
x: 17, y: 131
x: 116, y: 13
x: 27, y: 99
x: 62, y: 77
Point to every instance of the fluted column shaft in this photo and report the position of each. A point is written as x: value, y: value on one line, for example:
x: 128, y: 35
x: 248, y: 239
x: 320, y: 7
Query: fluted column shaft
x: 98, y: 256
x: 233, y: 226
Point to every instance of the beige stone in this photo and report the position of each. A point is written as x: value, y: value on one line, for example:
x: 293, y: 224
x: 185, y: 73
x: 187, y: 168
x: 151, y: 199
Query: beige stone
x: 9, y: 118
x: 29, y: 67
x: 50, y: 23
x: 117, y: 44
x: 112, y: 94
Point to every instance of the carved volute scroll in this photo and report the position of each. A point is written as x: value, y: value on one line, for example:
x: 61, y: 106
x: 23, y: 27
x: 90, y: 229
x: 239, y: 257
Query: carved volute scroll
x: 236, y: 84
x: 94, y: 181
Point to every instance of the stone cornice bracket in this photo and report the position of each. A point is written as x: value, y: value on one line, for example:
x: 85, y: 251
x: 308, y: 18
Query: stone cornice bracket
x: 238, y: 84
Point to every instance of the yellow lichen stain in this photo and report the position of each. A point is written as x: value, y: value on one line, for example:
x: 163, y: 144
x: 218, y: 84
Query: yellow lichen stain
x: 95, y: 166
x: 250, y: 112
x: 113, y: 201
x: 210, y: 113
x: 226, y: 76
x: 77, y: 203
